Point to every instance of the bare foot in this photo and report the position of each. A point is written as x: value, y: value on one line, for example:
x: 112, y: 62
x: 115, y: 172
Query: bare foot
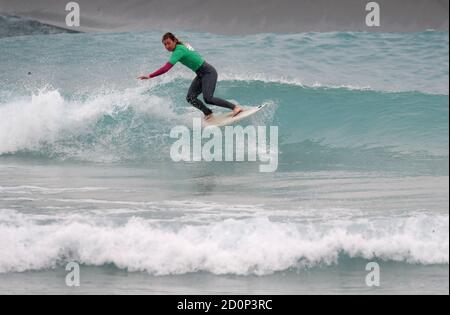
x: 209, y: 117
x: 237, y: 110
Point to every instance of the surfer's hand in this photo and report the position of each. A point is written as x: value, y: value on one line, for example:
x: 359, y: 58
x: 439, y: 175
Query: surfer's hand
x: 144, y: 77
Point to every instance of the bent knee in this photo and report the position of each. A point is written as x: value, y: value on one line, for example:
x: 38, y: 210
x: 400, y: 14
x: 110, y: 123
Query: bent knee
x: 190, y: 98
x: 208, y: 100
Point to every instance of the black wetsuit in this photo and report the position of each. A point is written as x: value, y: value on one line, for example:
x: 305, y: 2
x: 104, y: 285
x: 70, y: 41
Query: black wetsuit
x: 205, y: 82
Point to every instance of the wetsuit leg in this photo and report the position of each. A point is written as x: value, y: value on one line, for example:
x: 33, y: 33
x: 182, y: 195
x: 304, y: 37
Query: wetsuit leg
x: 209, y: 81
x: 192, y: 97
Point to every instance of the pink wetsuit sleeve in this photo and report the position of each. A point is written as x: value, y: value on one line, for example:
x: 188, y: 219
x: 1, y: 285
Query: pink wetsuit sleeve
x: 162, y: 70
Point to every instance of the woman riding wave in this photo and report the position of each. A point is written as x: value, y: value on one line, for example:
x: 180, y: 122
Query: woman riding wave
x: 205, y: 81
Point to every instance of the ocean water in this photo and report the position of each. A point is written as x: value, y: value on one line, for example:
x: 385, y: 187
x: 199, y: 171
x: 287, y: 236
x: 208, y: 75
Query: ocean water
x: 86, y: 175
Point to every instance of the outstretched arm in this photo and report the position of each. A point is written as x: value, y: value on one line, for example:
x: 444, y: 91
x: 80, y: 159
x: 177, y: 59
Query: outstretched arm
x: 158, y: 72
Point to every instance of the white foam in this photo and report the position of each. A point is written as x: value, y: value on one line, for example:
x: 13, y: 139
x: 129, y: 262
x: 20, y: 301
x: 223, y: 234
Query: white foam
x: 27, y: 122
x: 249, y: 246
x: 261, y: 77
x: 265, y: 78
x: 292, y: 81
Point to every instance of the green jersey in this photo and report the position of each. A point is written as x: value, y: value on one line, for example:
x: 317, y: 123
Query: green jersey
x: 187, y: 56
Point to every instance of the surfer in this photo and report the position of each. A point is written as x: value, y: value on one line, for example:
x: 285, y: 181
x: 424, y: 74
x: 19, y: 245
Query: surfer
x: 204, y: 82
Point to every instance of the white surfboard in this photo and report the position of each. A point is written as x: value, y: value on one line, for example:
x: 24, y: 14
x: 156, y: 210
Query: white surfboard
x: 228, y: 119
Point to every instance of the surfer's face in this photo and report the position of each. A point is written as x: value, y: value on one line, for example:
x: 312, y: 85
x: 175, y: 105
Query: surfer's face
x: 169, y: 44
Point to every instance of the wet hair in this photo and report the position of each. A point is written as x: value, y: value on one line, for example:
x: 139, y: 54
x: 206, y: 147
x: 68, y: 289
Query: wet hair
x: 172, y: 37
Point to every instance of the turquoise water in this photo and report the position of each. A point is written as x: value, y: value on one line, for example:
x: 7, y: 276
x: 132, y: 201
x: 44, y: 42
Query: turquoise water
x: 85, y: 171
x: 353, y: 95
